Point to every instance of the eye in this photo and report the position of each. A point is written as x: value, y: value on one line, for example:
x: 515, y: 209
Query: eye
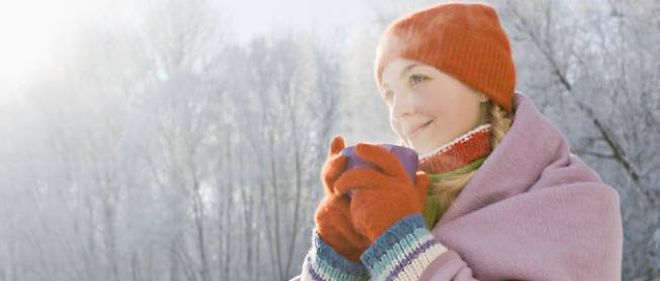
x: 416, y: 78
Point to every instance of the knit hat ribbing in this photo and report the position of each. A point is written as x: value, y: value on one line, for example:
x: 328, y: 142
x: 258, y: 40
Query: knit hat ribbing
x: 463, y: 40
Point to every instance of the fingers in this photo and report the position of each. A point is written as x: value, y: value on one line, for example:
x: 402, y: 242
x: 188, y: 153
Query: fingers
x: 359, y: 178
x: 334, y: 165
x: 357, y: 240
x: 332, y: 209
x: 332, y: 170
x: 381, y: 158
x: 333, y: 223
x: 422, y: 180
x: 422, y: 183
x: 342, y: 205
x: 336, y: 145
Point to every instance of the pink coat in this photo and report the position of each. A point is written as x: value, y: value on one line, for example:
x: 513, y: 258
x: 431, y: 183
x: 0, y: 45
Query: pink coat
x: 533, y: 211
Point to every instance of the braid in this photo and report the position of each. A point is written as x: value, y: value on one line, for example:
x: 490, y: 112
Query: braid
x: 446, y: 191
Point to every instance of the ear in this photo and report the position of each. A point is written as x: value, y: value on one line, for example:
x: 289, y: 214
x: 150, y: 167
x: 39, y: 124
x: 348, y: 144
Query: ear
x: 483, y: 98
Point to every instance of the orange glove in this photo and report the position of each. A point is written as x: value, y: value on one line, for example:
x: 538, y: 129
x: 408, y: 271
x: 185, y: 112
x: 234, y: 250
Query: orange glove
x: 332, y: 217
x: 381, y: 198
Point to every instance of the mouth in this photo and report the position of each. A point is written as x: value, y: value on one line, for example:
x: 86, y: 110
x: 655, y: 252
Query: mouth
x: 418, y: 130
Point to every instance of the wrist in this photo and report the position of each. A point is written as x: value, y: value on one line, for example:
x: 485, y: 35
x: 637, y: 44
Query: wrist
x: 402, y: 249
x: 325, y: 263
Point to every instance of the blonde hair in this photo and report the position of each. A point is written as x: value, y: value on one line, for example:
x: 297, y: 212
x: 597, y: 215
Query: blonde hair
x: 446, y: 190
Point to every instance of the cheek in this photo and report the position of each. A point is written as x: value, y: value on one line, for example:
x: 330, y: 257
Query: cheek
x: 444, y: 97
x: 434, y: 103
x: 395, y: 125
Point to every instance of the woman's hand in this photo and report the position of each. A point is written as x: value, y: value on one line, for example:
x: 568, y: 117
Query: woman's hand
x: 381, y: 198
x: 332, y: 217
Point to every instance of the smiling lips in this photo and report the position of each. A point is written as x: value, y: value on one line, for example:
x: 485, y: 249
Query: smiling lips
x: 418, y: 129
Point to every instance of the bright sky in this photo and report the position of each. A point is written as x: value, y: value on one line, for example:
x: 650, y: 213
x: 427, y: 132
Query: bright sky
x: 29, y: 29
x: 254, y: 17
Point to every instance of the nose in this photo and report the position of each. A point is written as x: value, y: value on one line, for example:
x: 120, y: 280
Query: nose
x: 403, y: 105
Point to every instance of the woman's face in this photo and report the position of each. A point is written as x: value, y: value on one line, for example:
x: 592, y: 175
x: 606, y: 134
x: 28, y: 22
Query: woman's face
x: 428, y: 108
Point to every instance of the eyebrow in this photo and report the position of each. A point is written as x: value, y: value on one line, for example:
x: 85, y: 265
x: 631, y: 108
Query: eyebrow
x: 405, y: 70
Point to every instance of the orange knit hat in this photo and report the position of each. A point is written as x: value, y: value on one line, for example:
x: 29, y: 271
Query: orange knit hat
x: 463, y: 40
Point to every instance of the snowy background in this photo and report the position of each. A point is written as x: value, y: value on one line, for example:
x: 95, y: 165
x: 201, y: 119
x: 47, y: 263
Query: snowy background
x: 183, y: 139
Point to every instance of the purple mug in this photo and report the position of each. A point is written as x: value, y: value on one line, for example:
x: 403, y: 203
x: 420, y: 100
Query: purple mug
x: 407, y: 156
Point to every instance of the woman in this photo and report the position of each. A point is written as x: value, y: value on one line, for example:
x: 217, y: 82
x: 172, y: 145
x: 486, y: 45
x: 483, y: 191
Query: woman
x: 499, y: 195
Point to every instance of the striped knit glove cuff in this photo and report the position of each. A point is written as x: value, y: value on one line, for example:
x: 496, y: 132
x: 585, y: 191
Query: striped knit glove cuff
x: 403, y: 251
x: 324, y: 263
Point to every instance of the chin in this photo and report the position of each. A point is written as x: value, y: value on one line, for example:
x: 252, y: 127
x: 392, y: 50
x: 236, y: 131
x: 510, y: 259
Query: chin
x: 422, y: 149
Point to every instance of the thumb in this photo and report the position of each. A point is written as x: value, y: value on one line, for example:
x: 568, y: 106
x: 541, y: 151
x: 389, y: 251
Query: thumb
x: 337, y: 144
x: 422, y: 183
